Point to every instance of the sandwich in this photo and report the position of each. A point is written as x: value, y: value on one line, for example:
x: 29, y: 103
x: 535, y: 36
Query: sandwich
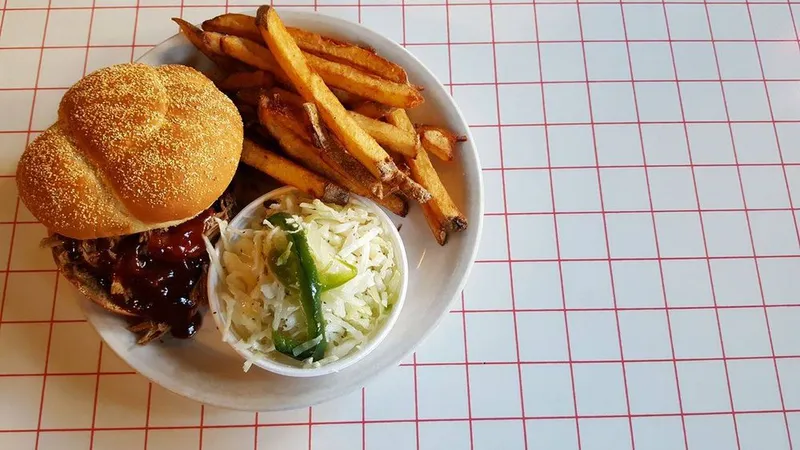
x: 128, y: 182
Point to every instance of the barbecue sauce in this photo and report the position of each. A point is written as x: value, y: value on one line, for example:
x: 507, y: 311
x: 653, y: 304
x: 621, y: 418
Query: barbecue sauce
x: 157, y: 274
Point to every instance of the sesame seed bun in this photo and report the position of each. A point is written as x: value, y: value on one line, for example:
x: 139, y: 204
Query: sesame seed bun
x: 135, y: 148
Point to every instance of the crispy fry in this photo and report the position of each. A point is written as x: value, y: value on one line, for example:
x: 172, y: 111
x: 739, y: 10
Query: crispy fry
x: 373, y: 110
x: 441, y: 205
x: 195, y: 36
x: 273, y: 108
x: 245, y: 26
x: 349, y: 54
x: 313, y: 89
x: 438, y: 141
x: 364, y: 84
x: 242, y: 80
x: 434, y: 222
x: 388, y: 135
x: 299, y: 149
x: 291, y: 98
x: 234, y: 24
x: 290, y: 173
x: 335, y: 74
x: 305, y: 153
x: 246, y: 51
x: 337, y: 157
x: 348, y: 99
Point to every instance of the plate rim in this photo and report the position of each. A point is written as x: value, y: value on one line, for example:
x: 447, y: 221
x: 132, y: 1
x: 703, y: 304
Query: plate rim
x: 292, y: 13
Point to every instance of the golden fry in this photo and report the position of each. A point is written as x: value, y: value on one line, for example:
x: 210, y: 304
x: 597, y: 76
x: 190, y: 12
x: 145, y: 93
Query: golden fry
x: 373, y: 110
x: 245, y: 26
x: 349, y: 54
x: 365, y: 85
x: 290, y: 173
x: 242, y: 80
x: 423, y: 172
x: 434, y: 221
x: 195, y: 36
x: 438, y: 141
x: 234, y: 24
x: 298, y: 149
x: 305, y: 153
x: 313, y: 89
x: 337, y: 157
x: 388, y: 135
x: 272, y: 107
x: 334, y: 74
x: 246, y: 51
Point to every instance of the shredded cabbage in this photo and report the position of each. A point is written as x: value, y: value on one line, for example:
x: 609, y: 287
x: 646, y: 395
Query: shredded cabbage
x: 254, y: 303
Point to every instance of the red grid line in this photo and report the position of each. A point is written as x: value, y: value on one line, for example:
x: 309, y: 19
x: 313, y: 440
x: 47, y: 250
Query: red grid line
x: 456, y: 84
x: 570, y: 124
x: 555, y: 231
x: 608, y: 361
x: 388, y: 4
x: 626, y: 308
x: 508, y: 42
x: 65, y: 374
x: 508, y: 229
x: 605, y: 234
x: 11, y: 249
x: 466, y: 374
x: 747, y: 217
x: 463, y: 318
x: 147, y: 414
x: 396, y: 421
x: 702, y: 223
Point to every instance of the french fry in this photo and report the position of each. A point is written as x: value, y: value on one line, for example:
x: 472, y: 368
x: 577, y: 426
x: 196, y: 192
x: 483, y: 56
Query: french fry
x: 366, y: 85
x: 245, y: 26
x: 299, y: 149
x: 438, y: 141
x: 346, y: 98
x: 195, y: 36
x: 273, y: 108
x: 288, y: 172
x: 373, y: 110
x: 337, y: 157
x: 242, y: 80
x: 313, y: 89
x: 349, y: 54
x: 246, y: 51
x: 434, y: 222
x: 304, y: 152
x: 234, y: 24
x: 387, y: 135
x: 335, y: 74
x: 422, y: 171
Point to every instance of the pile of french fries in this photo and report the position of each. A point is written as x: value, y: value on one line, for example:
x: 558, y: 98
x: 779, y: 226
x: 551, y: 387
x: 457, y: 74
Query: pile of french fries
x: 329, y: 117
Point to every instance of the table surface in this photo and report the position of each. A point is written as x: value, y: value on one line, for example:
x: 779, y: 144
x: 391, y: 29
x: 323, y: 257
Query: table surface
x: 655, y: 148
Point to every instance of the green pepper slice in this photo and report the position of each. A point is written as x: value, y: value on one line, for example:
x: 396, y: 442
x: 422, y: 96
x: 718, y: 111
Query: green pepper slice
x: 309, y: 285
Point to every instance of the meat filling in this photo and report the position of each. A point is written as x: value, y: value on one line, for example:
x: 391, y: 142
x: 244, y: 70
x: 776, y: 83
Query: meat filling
x: 151, y: 275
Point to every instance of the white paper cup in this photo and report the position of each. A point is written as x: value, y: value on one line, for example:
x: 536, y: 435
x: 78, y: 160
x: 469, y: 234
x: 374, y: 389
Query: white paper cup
x: 283, y: 365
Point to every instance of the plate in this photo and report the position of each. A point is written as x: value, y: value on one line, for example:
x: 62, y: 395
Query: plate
x: 209, y: 371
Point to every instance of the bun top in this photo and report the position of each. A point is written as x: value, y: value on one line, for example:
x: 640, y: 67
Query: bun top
x: 135, y: 148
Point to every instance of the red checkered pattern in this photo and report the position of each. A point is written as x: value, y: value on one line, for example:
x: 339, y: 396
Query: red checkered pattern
x: 637, y: 284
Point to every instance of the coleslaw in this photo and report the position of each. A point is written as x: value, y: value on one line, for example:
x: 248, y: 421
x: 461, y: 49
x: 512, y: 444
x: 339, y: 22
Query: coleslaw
x: 264, y: 297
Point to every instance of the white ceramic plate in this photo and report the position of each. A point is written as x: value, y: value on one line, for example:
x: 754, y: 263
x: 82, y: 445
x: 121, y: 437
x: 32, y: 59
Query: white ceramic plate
x: 207, y: 370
